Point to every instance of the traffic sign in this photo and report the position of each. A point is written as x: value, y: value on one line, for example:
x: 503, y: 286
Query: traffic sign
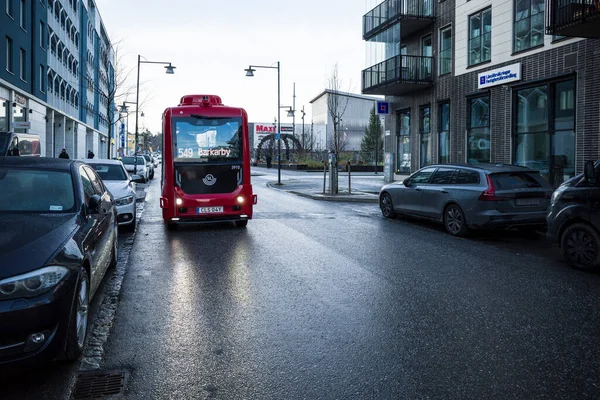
x: 383, y: 108
x: 278, y: 136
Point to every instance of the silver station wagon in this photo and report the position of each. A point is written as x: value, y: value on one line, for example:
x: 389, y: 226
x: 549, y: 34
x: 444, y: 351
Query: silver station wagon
x: 471, y: 196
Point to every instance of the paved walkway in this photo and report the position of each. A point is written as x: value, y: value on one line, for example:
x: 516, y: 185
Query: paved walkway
x: 364, y: 186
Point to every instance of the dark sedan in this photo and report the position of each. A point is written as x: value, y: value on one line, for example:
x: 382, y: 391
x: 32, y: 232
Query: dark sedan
x: 58, y: 236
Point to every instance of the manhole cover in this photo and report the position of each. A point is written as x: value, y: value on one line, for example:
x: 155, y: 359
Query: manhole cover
x: 97, y: 384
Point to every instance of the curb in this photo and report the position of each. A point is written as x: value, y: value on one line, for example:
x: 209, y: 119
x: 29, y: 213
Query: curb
x: 356, y: 197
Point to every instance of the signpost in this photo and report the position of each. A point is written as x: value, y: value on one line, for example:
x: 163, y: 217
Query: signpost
x: 383, y: 108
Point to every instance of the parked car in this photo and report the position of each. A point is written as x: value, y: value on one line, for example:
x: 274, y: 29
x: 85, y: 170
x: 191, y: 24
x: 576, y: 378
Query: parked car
x: 150, y: 165
x: 136, y: 165
x: 121, y: 185
x: 60, y: 237
x: 574, y: 218
x: 466, y: 196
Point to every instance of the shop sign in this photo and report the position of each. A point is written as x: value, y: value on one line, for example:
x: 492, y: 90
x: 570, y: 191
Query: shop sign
x: 22, y: 125
x: 499, y: 76
x: 20, y: 99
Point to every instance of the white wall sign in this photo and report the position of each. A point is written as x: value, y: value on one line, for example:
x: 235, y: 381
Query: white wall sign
x: 21, y: 124
x: 499, y: 76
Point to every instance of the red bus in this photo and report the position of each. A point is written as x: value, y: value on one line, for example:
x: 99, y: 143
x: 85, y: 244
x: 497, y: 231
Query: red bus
x: 206, y: 163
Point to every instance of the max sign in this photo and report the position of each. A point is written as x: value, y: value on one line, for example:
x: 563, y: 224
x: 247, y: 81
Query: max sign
x: 265, y: 129
x: 499, y: 76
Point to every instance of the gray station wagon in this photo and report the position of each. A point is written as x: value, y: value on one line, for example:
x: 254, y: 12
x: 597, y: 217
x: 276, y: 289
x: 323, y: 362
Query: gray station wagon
x: 471, y: 196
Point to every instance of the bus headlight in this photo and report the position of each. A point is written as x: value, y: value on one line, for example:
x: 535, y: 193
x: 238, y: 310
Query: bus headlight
x: 240, y: 199
x: 179, y: 201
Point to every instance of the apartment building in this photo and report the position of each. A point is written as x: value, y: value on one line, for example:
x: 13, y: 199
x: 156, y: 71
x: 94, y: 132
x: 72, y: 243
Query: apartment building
x: 56, y: 75
x: 487, y: 81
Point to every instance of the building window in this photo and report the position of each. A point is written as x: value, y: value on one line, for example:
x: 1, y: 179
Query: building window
x: 445, y: 51
x: 480, y: 37
x: 23, y: 15
x: 478, y: 130
x: 9, y: 54
x: 444, y: 130
x: 9, y: 8
x: 42, y: 75
x: 42, y: 35
x: 403, y: 140
x: 425, y: 135
x: 529, y: 24
x: 544, y: 129
x: 23, y: 69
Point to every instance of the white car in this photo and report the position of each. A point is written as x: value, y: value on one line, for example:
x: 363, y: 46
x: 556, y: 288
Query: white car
x: 122, y: 187
x: 136, y: 165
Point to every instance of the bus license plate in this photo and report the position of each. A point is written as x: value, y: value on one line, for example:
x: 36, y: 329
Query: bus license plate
x: 209, y: 210
x: 528, y: 202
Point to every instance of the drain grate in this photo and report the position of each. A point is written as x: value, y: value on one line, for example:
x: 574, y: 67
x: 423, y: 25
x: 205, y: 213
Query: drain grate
x: 97, y: 384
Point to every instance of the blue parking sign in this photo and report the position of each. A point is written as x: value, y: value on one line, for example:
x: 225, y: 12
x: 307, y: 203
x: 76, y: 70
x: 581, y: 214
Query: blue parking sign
x: 383, y: 108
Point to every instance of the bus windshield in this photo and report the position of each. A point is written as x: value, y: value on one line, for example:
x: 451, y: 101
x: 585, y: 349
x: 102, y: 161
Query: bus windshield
x: 206, y: 139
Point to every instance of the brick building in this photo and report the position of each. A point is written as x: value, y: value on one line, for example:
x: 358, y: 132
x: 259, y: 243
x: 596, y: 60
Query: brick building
x: 486, y: 81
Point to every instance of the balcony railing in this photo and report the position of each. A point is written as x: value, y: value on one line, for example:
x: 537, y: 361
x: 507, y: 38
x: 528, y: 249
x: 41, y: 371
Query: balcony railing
x: 574, y: 18
x: 391, y: 11
x: 398, y: 75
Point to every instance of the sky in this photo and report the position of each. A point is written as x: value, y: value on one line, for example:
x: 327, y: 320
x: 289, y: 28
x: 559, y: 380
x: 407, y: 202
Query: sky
x: 211, y: 42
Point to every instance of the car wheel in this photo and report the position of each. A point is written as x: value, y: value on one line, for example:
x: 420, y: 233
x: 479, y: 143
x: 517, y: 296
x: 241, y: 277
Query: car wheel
x: 386, y: 205
x: 454, y: 221
x: 580, y: 244
x: 79, y: 318
x: 172, y: 226
x: 241, y: 224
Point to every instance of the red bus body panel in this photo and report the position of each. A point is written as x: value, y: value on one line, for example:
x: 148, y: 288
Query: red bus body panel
x: 233, y: 210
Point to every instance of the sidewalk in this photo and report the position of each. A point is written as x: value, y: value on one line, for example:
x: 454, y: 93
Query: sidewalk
x: 364, y: 187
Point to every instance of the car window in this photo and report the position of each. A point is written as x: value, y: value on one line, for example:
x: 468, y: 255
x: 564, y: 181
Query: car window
x: 96, y: 183
x: 422, y: 176
x: 110, y: 172
x: 467, y: 177
x: 443, y: 176
x: 515, y: 180
x: 29, y: 190
x: 88, y: 188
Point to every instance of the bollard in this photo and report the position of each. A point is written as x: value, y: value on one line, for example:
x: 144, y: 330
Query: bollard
x: 349, y: 178
x: 324, y: 176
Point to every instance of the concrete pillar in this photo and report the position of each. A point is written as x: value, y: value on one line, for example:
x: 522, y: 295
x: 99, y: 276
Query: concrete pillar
x: 50, y: 146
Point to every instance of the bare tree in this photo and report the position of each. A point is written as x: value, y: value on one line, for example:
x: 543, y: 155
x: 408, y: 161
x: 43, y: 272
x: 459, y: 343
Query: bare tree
x: 336, y: 106
x: 115, y: 87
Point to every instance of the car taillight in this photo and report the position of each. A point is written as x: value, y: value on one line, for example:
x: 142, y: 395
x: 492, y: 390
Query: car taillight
x: 489, y: 194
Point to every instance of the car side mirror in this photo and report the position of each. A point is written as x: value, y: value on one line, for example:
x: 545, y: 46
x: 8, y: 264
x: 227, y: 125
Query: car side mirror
x: 406, y: 182
x: 589, y: 172
x: 95, y: 202
x: 137, y: 179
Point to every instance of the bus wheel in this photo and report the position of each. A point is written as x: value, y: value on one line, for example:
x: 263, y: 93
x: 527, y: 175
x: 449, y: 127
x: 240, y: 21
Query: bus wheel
x: 241, y: 224
x: 172, y: 226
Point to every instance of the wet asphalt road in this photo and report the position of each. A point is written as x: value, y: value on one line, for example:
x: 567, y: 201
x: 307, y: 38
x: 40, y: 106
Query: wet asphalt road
x: 320, y: 300
x: 316, y: 300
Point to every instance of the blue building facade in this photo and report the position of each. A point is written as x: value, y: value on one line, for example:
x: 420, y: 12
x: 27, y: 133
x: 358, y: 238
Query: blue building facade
x: 56, y: 68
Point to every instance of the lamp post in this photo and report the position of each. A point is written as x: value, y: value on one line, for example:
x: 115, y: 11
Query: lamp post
x: 169, y: 70
x: 250, y: 73
x: 303, y: 143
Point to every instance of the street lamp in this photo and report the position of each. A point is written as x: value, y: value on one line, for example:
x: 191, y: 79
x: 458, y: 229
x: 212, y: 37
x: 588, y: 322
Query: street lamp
x: 169, y: 70
x: 250, y: 73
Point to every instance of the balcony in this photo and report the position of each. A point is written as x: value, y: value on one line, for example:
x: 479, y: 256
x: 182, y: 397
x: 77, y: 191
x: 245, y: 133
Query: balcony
x: 573, y: 18
x: 398, y: 75
x: 414, y: 15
